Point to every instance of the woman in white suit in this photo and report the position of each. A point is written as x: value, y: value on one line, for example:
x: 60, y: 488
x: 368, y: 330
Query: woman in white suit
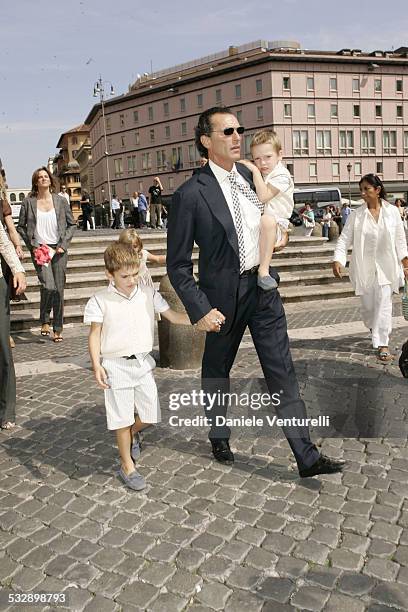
x: 379, y: 259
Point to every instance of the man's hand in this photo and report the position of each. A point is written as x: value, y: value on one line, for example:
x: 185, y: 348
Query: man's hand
x: 19, y: 282
x: 59, y: 250
x: 101, y: 377
x: 211, y: 322
x: 337, y: 269
x: 248, y: 164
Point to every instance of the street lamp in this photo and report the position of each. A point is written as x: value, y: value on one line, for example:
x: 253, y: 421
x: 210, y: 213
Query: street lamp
x: 349, y: 166
x: 99, y: 90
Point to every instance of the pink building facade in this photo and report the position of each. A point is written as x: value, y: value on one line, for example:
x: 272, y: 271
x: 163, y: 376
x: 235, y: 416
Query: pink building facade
x: 331, y: 110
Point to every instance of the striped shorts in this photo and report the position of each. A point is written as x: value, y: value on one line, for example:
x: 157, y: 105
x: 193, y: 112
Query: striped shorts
x: 132, y: 390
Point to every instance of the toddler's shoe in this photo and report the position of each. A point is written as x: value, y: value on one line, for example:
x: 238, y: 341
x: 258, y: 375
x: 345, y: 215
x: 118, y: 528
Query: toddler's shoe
x: 267, y: 283
x: 133, y: 481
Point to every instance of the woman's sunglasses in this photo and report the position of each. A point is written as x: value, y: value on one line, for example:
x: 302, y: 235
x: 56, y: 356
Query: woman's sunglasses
x: 229, y: 131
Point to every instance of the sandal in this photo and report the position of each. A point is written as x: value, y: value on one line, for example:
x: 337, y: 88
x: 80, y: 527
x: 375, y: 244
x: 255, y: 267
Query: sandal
x: 8, y: 425
x: 45, y: 332
x: 58, y: 338
x: 384, y: 355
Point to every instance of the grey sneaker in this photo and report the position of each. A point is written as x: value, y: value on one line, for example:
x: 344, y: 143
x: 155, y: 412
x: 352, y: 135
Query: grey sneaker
x: 136, y: 447
x: 267, y: 283
x: 134, y: 481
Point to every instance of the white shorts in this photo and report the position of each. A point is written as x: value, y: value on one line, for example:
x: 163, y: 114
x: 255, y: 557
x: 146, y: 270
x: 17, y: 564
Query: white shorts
x: 132, y: 389
x: 282, y: 224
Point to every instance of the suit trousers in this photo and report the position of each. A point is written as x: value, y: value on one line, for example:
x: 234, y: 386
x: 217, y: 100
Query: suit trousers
x: 52, y: 279
x: 7, y: 374
x: 262, y: 311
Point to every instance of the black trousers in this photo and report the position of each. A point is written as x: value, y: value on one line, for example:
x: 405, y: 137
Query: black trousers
x: 262, y: 311
x: 7, y: 375
x: 136, y: 218
x: 116, y: 219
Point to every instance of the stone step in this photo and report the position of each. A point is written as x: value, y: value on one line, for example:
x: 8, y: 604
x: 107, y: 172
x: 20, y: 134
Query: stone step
x: 25, y: 314
x: 98, y: 279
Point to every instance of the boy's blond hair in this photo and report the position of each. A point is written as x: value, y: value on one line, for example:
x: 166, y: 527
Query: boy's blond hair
x: 119, y: 255
x: 266, y: 137
x: 132, y: 238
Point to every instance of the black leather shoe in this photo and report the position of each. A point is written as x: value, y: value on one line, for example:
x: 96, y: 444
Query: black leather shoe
x: 323, y: 465
x: 222, y: 452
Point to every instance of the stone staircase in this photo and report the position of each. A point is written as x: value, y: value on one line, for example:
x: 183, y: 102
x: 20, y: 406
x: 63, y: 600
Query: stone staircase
x: 304, y: 267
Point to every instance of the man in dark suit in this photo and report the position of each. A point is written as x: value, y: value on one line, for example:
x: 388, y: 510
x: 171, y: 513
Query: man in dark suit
x: 218, y: 209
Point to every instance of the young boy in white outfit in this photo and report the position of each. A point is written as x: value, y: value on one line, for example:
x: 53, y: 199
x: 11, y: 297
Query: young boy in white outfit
x: 122, y: 333
x: 274, y: 187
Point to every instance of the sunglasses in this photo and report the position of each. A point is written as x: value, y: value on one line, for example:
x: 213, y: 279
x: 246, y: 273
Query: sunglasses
x: 229, y: 131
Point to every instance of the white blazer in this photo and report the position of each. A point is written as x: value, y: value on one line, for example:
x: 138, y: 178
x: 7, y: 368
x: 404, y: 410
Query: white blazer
x: 391, y: 253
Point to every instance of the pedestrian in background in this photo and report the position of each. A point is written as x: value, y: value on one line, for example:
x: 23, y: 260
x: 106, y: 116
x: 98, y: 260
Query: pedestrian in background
x: 379, y: 259
x: 326, y: 222
x: 308, y: 220
x: 121, y: 215
x: 46, y: 219
x: 143, y: 206
x: 115, y: 206
x: 345, y: 213
x: 155, y: 202
x: 86, y: 212
x: 64, y: 194
x: 134, y: 200
x: 7, y: 374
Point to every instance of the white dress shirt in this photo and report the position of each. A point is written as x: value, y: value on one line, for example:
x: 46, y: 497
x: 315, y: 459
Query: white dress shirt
x: 251, y: 215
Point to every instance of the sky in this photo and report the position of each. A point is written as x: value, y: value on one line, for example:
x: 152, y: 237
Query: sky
x: 51, y: 53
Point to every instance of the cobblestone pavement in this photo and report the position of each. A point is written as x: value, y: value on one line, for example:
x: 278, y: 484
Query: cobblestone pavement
x: 203, y: 536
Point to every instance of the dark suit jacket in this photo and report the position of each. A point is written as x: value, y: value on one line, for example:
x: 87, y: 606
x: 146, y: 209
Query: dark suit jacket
x: 199, y: 213
x: 28, y: 220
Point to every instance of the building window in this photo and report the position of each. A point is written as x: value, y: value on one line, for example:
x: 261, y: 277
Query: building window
x: 289, y: 166
x: 333, y: 83
x: 150, y: 113
x: 356, y: 85
x: 286, y: 82
x: 161, y: 159
x: 184, y: 128
x: 135, y: 116
x: 171, y: 182
x: 356, y: 111
x: 310, y: 83
x: 237, y: 91
x: 166, y: 109
x: 335, y: 168
x: 137, y: 138
x: 126, y: 188
x: 121, y: 120
x: 109, y: 145
x: 311, y: 113
x: 239, y: 116
x: 247, y: 145
x: 146, y: 161
x: 182, y: 105
x: 379, y: 168
x: 323, y: 142
x: 398, y: 85
x: 108, y: 123
x: 406, y: 143
x: 177, y: 158
x: 131, y: 160
x: 122, y: 141
x: 199, y: 100
x: 151, y: 134
x: 192, y: 155
x: 312, y: 169
x: 167, y: 131
x: 334, y: 111
x: 258, y: 86
x: 118, y: 168
x: 346, y: 138
x: 259, y: 113
x: 368, y: 142
x: 287, y: 110
x: 378, y: 111
x: 140, y: 186
x: 300, y: 142
x: 389, y: 142
x: 357, y: 168
x: 377, y: 85
x: 74, y: 153
x: 400, y: 167
x: 400, y: 112
x: 74, y: 140
x: 218, y: 95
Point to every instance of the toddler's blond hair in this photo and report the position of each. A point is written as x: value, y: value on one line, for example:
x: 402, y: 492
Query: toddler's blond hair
x: 266, y: 137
